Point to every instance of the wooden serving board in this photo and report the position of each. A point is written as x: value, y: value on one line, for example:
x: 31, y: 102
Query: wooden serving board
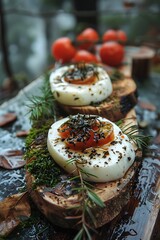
x: 138, y: 220
x: 115, y: 194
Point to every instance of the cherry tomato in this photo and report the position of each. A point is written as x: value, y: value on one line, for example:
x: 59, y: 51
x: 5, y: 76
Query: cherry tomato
x: 63, y: 50
x: 110, y: 35
x: 111, y: 53
x: 84, y: 56
x: 90, y: 135
x: 121, y: 36
x: 87, y: 38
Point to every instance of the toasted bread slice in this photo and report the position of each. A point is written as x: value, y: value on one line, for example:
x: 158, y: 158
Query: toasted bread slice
x: 61, y: 210
x: 115, y: 107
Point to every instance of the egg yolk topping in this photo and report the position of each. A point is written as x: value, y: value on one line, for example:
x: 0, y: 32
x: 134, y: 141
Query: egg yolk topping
x: 81, y: 132
x: 82, y: 74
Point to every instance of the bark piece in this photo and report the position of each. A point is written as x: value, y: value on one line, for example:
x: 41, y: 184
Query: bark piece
x: 7, y: 118
x: 13, y: 210
x: 22, y: 133
x: 147, y: 105
x: 11, y: 159
x: 156, y: 140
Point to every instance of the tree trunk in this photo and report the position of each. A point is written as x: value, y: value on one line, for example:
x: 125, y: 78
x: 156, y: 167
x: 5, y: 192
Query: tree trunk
x: 10, y: 83
x: 88, y: 20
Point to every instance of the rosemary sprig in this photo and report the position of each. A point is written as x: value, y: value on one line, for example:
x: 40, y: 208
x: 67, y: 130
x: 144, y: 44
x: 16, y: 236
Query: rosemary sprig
x: 87, y: 200
x: 132, y: 131
x: 42, y: 106
x: 116, y: 75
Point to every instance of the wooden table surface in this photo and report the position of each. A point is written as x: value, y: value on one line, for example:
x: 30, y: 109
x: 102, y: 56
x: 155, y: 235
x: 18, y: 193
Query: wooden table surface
x: 139, y: 220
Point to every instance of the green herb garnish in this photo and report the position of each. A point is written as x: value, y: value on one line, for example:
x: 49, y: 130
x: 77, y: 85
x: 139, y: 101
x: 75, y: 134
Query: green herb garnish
x: 134, y: 135
x: 80, y: 71
x: 88, y: 200
x: 42, y: 107
x: 40, y: 163
x: 116, y: 75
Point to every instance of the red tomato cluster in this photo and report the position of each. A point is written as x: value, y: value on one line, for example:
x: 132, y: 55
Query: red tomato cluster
x: 87, y: 38
x: 63, y: 50
x: 113, y: 35
x: 110, y: 52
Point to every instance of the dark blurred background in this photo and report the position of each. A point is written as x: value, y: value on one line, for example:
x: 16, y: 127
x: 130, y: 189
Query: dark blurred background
x: 28, y: 29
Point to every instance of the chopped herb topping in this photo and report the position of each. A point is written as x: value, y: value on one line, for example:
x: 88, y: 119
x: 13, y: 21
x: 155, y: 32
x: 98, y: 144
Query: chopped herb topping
x: 81, y: 73
x: 84, y: 131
